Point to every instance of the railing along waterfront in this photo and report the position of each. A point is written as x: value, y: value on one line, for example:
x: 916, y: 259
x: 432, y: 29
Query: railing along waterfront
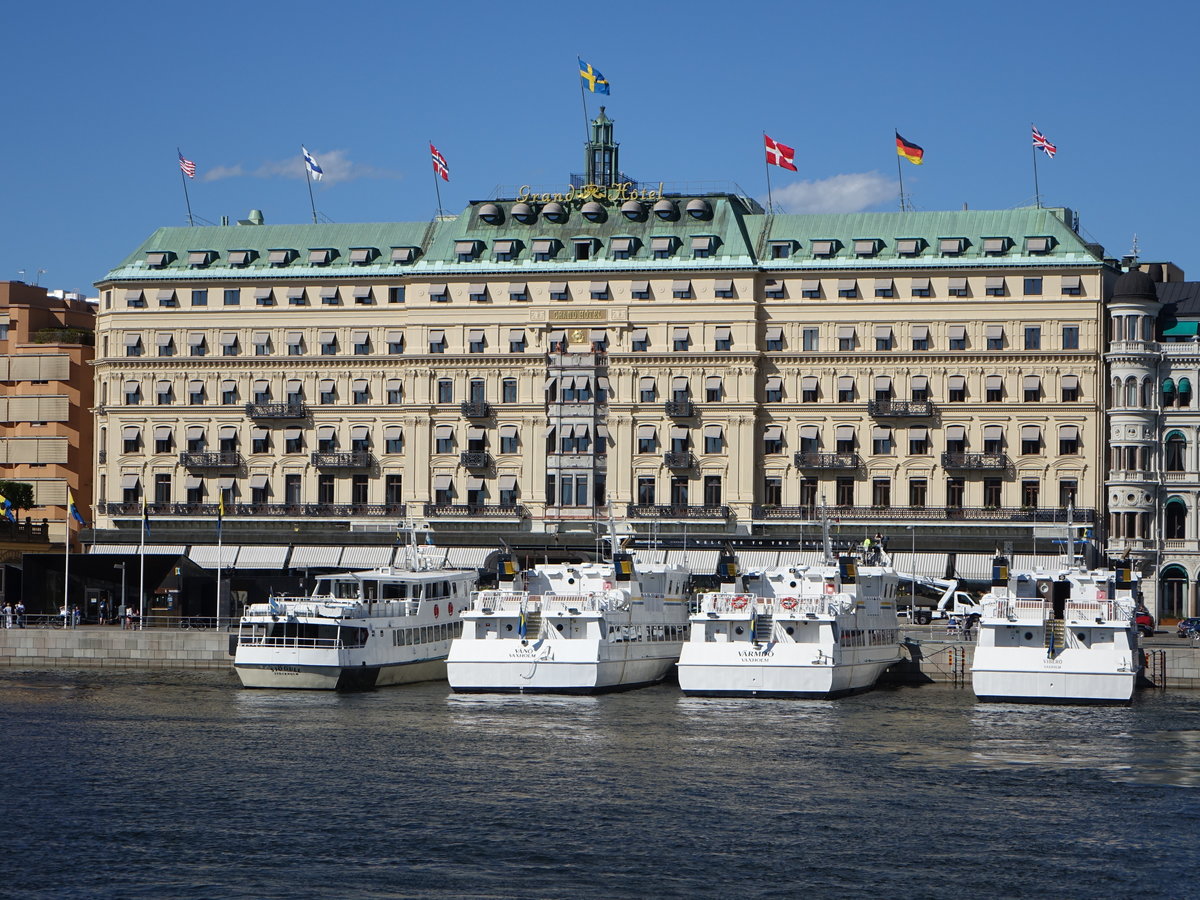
x: 926, y: 513
x: 270, y: 510
x: 649, y: 511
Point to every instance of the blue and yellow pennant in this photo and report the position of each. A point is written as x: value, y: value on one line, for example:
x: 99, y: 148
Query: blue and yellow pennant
x: 596, y: 82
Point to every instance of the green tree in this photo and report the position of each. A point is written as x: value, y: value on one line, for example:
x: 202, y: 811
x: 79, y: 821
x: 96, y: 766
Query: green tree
x: 19, y: 493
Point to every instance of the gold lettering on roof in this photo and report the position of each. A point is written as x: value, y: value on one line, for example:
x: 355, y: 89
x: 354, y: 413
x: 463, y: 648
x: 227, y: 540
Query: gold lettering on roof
x: 613, y: 193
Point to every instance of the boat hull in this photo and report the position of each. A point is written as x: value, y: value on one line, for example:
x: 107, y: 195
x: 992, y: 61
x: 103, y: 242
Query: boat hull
x: 569, y: 667
x: 363, y: 677
x: 725, y: 672
x: 1058, y: 686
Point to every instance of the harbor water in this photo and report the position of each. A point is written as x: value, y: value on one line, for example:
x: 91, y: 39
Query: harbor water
x: 181, y: 784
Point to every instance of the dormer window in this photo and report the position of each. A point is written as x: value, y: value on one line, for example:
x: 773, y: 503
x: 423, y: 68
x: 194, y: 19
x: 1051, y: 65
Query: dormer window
x: 662, y: 247
x: 995, y: 246
x: 584, y: 248
x: 1038, y: 245
x: 909, y: 246
x: 240, y: 258
x: 866, y: 246
x: 404, y: 255
x: 360, y: 256
x: 593, y: 211
x: 633, y: 211
x: 280, y: 257
x: 621, y: 247
x: 699, y: 209
x: 782, y: 249
x: 951, y: 246
x: 198, y: 259
x: 524, y: 213
x: 542, y: 250
x: 702, y: 246
x: 555, y: 212
x: 824, y: 249
x: 159, y: 259
x: 491, y: 214
x: 465, y: 250
x: 319, y: 257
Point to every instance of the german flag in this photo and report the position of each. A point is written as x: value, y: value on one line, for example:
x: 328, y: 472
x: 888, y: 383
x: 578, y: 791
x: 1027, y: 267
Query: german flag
x: 909, y: 150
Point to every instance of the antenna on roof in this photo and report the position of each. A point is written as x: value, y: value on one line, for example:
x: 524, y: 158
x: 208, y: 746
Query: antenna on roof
x: 1134, y: 250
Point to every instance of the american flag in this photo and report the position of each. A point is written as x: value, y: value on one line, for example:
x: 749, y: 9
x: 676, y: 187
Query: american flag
x: 439, y: 163
x: 1042, y: 143
x: 780, y: 154
x: 188, y: 167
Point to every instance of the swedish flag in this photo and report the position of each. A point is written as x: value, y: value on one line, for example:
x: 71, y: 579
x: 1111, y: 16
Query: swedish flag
x: 596, y: 82
x: 522, y: 624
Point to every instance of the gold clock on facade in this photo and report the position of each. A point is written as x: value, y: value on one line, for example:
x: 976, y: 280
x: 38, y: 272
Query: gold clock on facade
x: 576, y: 336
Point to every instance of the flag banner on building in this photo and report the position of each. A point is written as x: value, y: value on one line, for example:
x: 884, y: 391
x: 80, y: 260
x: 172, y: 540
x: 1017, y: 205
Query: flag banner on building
x: 6, y: 506
x: 596, y: 82
x: 1042, y: 143
x: 439, y: 163
x: 311, y: 164
x: 73, y: 510
x: 220, y: 511
x: 910, y: 151
x: 188, y: 167
x: 145, y: 519
x: 780, y: 154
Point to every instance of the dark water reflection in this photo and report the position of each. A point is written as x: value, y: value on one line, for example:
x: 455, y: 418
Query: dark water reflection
x: 183, y: 785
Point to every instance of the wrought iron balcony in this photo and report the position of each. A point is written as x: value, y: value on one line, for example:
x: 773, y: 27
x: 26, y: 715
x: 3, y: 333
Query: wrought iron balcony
x: 679, y: 459
x: 679, y: 409
x: 220, y: 460
x: 650, y: 511
x: 474, y: 511
x: 354, y: 459
x: 276, y: 410
x: 883, y: 409
x: 828, y: 461
x: 263, y: 510
x: 472, y: 460
x: 998, y: 514
x: 974, y: 460
x: 476, y: 409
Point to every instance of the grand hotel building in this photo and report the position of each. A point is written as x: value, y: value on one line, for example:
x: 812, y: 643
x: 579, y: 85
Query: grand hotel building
x: 687, y: 362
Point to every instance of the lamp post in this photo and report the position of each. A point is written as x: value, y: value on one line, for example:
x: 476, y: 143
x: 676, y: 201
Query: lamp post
x: 121, y: 566
x: 912, y: 571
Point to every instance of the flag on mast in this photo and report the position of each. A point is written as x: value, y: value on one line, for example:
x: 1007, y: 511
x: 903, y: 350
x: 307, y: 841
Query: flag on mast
x: 220, y: 511
x: 596, y: 83
x: 909, y: 150
x: 73, y: 510
x: 439, y: 163
x: 6, y: 506
x: 310, y: 163
x: 1041, y: 142
x: 145, y: 519
x: 780, y: 154
x: 187, y: 166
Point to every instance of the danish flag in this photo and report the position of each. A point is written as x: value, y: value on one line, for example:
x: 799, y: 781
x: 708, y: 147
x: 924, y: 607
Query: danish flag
x: 780, y: 154
x: 439, y: 163
x: 1042, y: 143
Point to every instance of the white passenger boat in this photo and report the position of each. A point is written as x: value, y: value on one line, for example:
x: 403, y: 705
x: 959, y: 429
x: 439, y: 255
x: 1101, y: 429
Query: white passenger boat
x: 795, y: 631
x: 357, y: 630
x: 1063, y: 636
x: 573, y: 628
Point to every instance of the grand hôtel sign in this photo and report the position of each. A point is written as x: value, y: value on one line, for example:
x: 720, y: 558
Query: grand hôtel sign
x: 613, y: 193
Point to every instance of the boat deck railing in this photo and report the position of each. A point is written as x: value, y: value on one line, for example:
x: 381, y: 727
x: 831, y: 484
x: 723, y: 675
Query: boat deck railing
x: 1037, y: 610
x: 778, y: 606
x: 335, y: 608
x: 252, y: 640
x: 514, y: 601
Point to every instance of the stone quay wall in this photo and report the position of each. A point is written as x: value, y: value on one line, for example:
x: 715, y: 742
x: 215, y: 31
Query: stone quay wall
x: 110, y: 647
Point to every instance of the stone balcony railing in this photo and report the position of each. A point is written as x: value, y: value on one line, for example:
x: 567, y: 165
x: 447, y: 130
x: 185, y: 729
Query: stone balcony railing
x: 827, y: 460
x: 352, y: 459
x: 883, y: 409
x: 276, y: 410
x: 953, y: 460
x: 210, y: 460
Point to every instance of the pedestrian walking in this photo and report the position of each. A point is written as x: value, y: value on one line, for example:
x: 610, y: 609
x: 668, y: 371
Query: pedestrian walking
x: 127, y: 620
x: 19, y: 610
x: 8, y: 615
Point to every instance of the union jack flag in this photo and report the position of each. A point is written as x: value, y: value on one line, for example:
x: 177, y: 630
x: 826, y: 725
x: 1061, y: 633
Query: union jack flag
x: 188, y: 167
x: 439, y: 163
x: 1043, y: 143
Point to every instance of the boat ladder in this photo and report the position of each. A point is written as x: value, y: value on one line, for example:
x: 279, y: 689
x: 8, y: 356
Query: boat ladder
x: 533, y: 625
x: 764, y: 628
x: 1056, y: 636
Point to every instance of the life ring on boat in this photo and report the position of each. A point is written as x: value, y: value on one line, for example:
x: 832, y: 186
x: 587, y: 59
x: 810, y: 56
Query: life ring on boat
x: 608, y: 585
x: 436, y: 611
x: 788, y: 602
x: 739, y: 602
x: 449, y: 609
x: 830, y: 589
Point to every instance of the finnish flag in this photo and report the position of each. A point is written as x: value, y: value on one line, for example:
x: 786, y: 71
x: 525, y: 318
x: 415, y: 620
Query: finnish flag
x: 311, y: 164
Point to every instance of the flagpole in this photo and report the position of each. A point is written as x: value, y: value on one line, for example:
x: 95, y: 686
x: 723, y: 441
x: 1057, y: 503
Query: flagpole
x: 900, y: 171
x: 67, y: 575
x: 767, y: 166
x: 311, y: 202
x: 583, y: 102
x: 436, y: 187
x: 220, y: 559
x: 142, y: 571
x: 1037, y: 194
x: 187, y: 200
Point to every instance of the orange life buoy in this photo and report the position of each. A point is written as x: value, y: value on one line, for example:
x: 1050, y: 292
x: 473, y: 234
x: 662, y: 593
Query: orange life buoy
x: 436, y: 611
x: 608, y: 585
x: 738, y: 602
x: 829, y: 589
x: 788, y: 602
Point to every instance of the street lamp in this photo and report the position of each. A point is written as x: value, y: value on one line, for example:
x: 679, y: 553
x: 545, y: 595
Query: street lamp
x: 121, y: 566
x: 912, y: 571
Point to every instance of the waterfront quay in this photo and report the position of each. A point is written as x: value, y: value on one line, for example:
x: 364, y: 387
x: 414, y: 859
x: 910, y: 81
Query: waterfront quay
x: 932, y: 655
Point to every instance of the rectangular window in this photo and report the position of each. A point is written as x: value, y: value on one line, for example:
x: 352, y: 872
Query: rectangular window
x: 848, y: 290
x: 918, y: 444
x: 396, y: 294
x: 508, y: 390
x: 772, y: 491
x: 881, y: 444
x: 1033, y: 287
x: 995, y: 342
x: 844, y: 492
x: 233, y: 296
x: 325, y: 489
x: 645, y: 490
x: 393, y: 492
x: 1030, y: 491
x: 1070, y: 337
x: 200, y: 297
x: 1033, y: 337
x: 260, y: 443
x: 992, y: 488
x: 712, y: 490
x: 994, y: 287
x: 883, y: 342
x: 955, y: 493
x: 812, y: 339
x: 445, y: 391
x: 1068, y: 491
x: 881, y: 493
x: 918, y: 491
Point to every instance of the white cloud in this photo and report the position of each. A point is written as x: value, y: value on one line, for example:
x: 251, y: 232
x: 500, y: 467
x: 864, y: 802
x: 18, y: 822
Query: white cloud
x: 336, y: 165
x: 851, y: 192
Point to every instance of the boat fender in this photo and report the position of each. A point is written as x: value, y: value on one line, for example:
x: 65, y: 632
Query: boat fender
x: 436, y: 611
x: 788, y: 602
x: 739, y: 602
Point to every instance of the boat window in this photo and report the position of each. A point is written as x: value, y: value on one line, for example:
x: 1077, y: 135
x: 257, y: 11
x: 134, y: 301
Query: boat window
x: 370, y: 590
x: 345, y: 590
x: 394, y: 591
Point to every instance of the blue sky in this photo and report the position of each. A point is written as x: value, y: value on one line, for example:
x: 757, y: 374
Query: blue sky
x: 98, y: 97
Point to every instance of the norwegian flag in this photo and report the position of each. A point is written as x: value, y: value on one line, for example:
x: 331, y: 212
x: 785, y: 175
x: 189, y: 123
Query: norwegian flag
x: 187, y: 166
x: 1042, y: 143
x: 439, y: 163
x: 780, y: 154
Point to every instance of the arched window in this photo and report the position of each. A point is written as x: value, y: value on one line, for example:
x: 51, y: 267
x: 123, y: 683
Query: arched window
x: 1131, y: 392
x: 1172, y: 593
x: 1175, y: 520
x: 1147, y: 393
x: 1175, y: 452
x: 1185, y: 392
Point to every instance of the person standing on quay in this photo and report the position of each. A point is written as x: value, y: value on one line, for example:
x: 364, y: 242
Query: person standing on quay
x: 8, y: 615
x: 20, y: 612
